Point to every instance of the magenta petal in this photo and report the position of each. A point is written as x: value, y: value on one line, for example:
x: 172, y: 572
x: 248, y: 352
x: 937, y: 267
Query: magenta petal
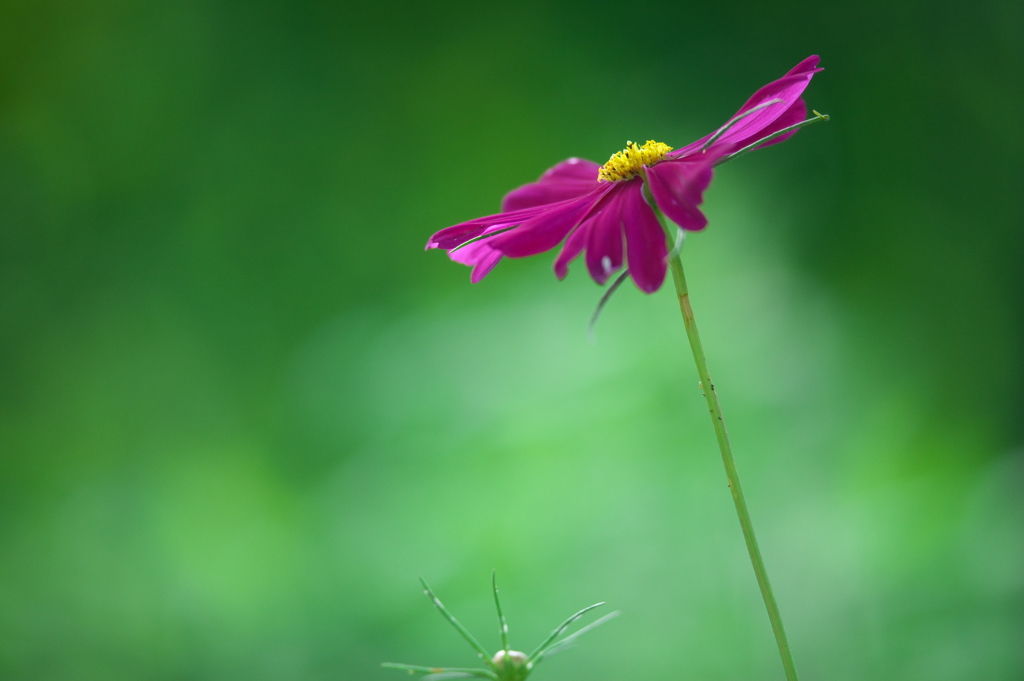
x: 480, y: 255
x: 605, y: 235
x: 567, y: 180
x: 573, y: 245
x: 792, y: 116
x: 646, y: 248
x: 546, y: 230
x: 678, y: 188
x: 762, y: 123
x: 456, y: 235
x: 600, y: 233
x: 789, y: 88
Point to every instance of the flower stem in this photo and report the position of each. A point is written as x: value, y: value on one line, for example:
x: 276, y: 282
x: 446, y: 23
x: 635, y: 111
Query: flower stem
x: 676, y: 265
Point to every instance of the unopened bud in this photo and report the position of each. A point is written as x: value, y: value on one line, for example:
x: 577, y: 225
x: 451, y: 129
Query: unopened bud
x: 514, y: 658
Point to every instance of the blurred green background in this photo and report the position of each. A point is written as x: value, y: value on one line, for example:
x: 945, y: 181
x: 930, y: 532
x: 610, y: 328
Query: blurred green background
x: 241, y: 410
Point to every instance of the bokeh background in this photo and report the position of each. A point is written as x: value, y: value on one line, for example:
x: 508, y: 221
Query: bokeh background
x: 241, y: 410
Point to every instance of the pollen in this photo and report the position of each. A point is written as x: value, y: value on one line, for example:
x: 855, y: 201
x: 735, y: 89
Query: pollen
x: 628, y: 163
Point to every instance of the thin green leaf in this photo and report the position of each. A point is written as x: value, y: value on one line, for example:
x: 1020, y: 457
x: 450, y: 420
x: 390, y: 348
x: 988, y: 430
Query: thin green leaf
x: 502, y: 624
x: 467, y: 671
x: 604, y: 301
x: 677, y: 247
x: 438, y: 670
x: 571, y: 639
x: 455, y: 623
x: 778, y: 133
x: 457, y: 675
x: 558, y: 632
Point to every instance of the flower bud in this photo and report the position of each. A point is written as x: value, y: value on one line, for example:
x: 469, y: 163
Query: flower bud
x: 514, y: 658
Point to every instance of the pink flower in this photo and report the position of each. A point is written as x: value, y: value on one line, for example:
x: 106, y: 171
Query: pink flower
x: 604, y: 212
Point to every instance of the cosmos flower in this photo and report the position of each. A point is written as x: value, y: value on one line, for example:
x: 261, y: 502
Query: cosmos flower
x: 606, y: 211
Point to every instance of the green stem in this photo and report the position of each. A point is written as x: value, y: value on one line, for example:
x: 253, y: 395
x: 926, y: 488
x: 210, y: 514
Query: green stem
x: 676, y: 265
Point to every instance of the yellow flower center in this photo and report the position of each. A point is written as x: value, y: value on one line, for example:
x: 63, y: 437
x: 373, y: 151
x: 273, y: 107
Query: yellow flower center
x: 628, y: 163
